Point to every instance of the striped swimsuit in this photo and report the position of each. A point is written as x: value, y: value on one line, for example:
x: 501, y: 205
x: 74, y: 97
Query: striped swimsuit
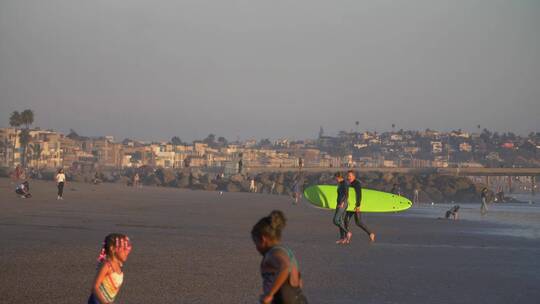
x: 110, y: 285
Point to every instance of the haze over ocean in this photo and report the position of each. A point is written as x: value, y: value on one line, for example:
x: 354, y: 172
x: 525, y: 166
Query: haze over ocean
x: 152, y: 70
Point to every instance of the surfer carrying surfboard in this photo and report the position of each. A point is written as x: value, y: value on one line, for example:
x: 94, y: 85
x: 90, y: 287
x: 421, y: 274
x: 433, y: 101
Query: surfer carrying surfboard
x: 355, y: 183
x: 341, y: 207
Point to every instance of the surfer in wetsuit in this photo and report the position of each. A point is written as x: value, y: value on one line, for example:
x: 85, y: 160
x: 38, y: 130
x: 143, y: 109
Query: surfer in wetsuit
x: 452, y: 212
x: 353, y: 182
x: 282, y: 282
x: 341, y: 207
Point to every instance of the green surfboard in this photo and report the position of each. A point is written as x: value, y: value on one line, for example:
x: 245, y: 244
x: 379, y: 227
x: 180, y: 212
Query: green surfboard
x: 325, y: 196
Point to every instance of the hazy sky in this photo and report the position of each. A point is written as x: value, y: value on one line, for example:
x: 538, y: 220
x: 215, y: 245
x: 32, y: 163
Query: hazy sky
x: 272, y: 68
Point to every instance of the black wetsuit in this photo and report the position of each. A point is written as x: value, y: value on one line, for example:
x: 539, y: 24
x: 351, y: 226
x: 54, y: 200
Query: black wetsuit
x: 357, y: 215
x: 452, y: 211
x: 339, y: 215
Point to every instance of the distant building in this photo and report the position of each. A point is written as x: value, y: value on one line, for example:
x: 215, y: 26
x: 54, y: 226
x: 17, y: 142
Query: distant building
x: 465, y: 147
x: 411, y: 149
x: 396, y: 137
x: 11, y: 151
x: 436, y: 147
x: 389, y: 164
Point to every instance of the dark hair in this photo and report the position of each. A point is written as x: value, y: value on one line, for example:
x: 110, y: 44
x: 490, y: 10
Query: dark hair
x: 351, y: 172
x: 338, y: 174
x: 269, y: 226
x: 111, y: 242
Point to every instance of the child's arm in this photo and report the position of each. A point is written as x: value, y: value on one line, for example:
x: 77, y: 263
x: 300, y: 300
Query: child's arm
x: 103, y: 271
x: 277, y: 261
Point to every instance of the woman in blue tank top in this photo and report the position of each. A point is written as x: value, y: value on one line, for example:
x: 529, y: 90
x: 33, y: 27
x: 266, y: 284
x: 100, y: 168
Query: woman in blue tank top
x: 282, y: 282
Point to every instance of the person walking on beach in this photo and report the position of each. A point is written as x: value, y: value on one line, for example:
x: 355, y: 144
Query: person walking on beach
x: 17, y: 174
x: 136, y: 180
x: 109, y: 277
x: 60, y: 181
x: 297, y: 190
x: 341, y: 207
x: 355, y: 183
x: 483, y: 196
x: 282, y: 281
x: 416, y: 196
x: 252, y: 185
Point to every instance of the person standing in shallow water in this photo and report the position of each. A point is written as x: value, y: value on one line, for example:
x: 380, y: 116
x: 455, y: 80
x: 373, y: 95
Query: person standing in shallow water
x: 483, y: 196
x: 282, y: 281
x: 60, y: 182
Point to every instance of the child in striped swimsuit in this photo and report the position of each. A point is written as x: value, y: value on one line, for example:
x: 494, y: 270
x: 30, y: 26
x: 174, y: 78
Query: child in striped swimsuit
x: 109, y: 278
x: 282, y: 282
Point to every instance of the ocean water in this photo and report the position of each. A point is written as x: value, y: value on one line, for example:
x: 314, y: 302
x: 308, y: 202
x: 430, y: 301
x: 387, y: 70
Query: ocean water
x: 512, y: 219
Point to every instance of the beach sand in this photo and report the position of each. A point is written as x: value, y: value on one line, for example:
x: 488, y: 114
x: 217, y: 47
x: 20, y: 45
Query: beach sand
x: 195, y: 247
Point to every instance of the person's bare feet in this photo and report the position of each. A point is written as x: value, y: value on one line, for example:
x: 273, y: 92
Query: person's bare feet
x: 372, y: 237
x: 348, y: 238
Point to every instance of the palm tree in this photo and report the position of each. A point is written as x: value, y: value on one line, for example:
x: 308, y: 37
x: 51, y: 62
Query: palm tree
x: 15, y: 119
x: 222, y: 141
x: 27, y: 118
x: 24, y: 138
x: 36, y: 152
x: 175, y: 140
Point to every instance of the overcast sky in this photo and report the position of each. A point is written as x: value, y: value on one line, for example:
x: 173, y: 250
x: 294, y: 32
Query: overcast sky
x: 273, y: 68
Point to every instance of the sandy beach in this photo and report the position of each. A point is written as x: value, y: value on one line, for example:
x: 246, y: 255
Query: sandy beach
x: 195, y: 247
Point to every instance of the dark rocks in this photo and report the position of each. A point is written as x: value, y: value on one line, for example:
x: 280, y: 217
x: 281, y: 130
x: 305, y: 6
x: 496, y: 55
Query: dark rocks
x: 431, y: 186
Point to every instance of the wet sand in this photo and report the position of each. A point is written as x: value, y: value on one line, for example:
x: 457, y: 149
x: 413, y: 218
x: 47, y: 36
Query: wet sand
x: 195, y: 247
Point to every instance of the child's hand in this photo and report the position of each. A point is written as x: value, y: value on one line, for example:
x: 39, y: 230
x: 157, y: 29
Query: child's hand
x: 266, y: 299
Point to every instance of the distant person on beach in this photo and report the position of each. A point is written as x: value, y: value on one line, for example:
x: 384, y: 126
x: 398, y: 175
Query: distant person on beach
x: 60, y: 182
x: 97, y: 179
x: 109, y: 277
x: 252, y: 186
x: 355, y: 183
x: 500, y: 195
x: 452, y: 212
x: 282, y: 281
x: 23, y: 189
x: 395, y: 189
x: 416, y: 199
x: 483, y: 196
x: 341, y: 207
x: 136, y: 180
x: 297, y: 190
x: 17, y: 173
